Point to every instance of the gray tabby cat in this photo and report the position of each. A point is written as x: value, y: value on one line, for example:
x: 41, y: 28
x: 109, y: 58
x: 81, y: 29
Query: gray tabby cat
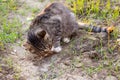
x: 56, y: 22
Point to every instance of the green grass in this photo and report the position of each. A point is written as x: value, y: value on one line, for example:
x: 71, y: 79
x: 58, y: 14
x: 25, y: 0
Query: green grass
x: 41, y: 0
x: 92, y: 70
x: 99, y: 8
x: 24, y: 10
x: 9, y: 27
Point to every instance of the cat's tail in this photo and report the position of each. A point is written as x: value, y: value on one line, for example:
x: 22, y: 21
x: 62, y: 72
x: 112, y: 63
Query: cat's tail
x: 36, y: 40
x: 96, y: 29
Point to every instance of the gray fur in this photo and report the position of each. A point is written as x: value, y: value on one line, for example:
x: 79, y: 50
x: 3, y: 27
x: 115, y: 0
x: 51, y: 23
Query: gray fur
x: 57, y: 21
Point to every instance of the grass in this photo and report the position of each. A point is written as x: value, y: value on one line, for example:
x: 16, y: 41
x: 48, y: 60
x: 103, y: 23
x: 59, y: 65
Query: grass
x: 9, y: 62
x: 10, y: 27
x: 99, y: 8
x: 92, y: 70
x: 17, y: 76
x: 25, y: 10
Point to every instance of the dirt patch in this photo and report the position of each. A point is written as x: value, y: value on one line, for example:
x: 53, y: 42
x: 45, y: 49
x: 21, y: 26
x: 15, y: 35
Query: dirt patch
x: 7, y: 70
x: 86, y: 57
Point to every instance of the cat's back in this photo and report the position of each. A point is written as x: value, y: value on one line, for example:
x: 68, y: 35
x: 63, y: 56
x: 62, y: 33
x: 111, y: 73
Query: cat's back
x: 56, y: 8
x: 53, y: 12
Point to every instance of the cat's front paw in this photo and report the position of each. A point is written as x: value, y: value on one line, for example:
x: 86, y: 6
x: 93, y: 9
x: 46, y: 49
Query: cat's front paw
x: 56, y: 49
x: 66, y: 40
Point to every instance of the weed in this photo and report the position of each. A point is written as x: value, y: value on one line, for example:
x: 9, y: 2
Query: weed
x: 95, y: 6
x: 117, y: 67
x: 41, y: 0
x: 91, y: 70
x: 16, y: 76
x: 35, y: 10
x: 77, y: 6
x: 9, y: 61
x: 108, y: 5
x: 116, y: 13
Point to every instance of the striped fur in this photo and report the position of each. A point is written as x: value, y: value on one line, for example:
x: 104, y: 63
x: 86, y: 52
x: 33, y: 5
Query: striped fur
x: 96, y: 29
x: 37, y: 42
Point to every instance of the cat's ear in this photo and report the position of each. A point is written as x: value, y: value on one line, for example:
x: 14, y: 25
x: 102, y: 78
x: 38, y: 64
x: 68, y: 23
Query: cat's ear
x: 41, y: 33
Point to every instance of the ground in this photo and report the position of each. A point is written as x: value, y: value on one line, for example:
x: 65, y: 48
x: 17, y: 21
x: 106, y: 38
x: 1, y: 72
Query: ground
x: 87, y: 57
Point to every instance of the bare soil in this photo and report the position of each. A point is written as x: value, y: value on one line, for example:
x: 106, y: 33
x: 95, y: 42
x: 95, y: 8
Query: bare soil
x: 86, y: 57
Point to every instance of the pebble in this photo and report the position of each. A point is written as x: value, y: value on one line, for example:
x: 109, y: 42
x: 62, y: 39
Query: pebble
x: 118, y: 40
x: 106, y: 63
x: 14, y: 52
x: 78, y: 65
x: 29, y: 18
x: 92, y: 38
x: 67, y: 63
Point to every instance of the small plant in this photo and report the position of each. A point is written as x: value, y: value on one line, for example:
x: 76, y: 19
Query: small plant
x: 80, y: 5
x: 95, y: 6
x: 10, y: 31
x: 41, y: 0
x: 16, y: 76
x: 92, y: 70
x: 108, y: 4
x: 34, y: 10
x: 115, y: 13
x: 115, y: 33
x: 9, y: 62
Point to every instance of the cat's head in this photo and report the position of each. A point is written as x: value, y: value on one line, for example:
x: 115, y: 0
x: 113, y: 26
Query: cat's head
x: 38, y: 39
